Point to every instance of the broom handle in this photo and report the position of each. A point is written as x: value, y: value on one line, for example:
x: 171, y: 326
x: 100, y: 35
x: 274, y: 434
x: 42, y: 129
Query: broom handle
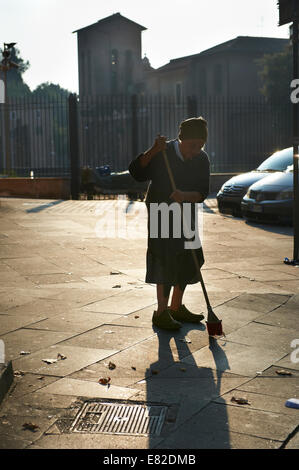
x: 193, y: 253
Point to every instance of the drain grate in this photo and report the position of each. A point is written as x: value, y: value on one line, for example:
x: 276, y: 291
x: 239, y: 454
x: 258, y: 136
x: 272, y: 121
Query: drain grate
x: 116, y: 418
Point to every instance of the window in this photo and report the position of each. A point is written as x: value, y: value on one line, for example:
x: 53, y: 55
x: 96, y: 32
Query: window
x: 218, y: 78
x: 114, y: 70
x: 202, y: 82
x: 178, y: 93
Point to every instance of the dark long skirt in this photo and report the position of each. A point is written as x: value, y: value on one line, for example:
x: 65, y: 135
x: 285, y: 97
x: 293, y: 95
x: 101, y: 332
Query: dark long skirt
x: 168, y: 262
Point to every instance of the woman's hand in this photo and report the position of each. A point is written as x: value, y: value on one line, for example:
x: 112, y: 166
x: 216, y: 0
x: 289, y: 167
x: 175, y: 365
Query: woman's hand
x: 159, y: 144
x: 178, y: 196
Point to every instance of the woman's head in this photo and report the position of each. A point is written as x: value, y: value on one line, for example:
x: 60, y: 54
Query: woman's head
x: 193, y: 136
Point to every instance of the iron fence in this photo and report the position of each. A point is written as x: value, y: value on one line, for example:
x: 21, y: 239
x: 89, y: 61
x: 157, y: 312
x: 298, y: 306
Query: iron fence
x: 36, y: 131
x: 113, y: 129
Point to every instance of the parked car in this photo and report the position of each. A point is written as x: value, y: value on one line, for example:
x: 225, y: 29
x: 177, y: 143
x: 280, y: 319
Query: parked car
x: 230, y: 196
x: 270, y: 199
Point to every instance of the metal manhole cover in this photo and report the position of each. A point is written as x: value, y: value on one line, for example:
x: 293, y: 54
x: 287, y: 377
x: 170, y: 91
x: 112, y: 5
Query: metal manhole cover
x: 116, y: 418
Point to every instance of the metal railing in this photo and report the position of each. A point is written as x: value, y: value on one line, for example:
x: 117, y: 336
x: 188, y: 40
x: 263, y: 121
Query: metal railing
x: 112, y: 130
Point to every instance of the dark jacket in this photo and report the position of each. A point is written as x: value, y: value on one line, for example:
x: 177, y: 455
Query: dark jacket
x: 168, y: 262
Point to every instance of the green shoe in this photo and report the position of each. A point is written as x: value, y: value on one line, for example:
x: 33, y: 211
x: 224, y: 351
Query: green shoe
x: 184, y: 315
x: 165, y: 321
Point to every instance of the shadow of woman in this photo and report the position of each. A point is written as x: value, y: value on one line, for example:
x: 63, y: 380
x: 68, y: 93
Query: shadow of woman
x: 176, y: 381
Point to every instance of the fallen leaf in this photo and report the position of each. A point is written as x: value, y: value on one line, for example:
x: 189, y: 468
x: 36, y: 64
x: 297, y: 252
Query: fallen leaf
x: 40, y: 378
x: 19, y: 373
x: 49, y: 361
x: 104, y: 381
x: 61, y: 356
x: 283, y: 372
x: 112, y: 273
x: 111, y: 366
x: 132, y: 367
x: 136, y: 316
x: 30, y: 427
x: 240, y: 401
x: 117, y: 285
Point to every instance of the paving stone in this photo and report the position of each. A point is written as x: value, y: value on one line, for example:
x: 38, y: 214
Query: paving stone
x: 77, y: 358
x: 263, y: 303
x: 48, y: 307
x: 237, y: 358
x: 191, y: 392
x: 84, y: 388
x: 27, y: 384
x: 11, y: 442
x: 10, y: 297
x: 257, y: 401
x: 101, y: 338
x: 218, y: 439
x: 75, y: 321
x: 12, y: 427
x: 33, y: 265
x: 124, y: 303
x: 293, y: 442
x: 283, y: 317
x: 80, y: 297
x: 30, y: 341
x: 288, y: 361
x: 283, y: 387
x: 259, y: 424
x: 256, y: 334
x: 244, y: 284
x: 45, y: 279
x: 41, y: 403
x: 13, y: 322
x: 96, y: 441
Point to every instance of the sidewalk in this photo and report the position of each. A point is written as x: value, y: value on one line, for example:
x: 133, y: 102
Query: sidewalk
x: 79, y: 302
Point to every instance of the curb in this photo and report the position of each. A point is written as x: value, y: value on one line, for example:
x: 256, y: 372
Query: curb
x: 6, y: 378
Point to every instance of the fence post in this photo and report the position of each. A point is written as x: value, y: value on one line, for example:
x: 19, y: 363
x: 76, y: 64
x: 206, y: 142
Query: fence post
x: 191, y: 106
x: 74, y: 147
x: 134, y: 125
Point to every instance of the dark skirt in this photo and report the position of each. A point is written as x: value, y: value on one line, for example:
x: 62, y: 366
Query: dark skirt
x: 169, y: 263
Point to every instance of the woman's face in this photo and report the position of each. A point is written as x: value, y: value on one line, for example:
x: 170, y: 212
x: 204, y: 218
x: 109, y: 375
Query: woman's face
x: 191, y: 147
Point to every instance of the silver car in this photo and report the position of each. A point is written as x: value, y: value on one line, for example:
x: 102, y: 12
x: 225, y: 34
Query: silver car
x: 230, y: 196
x: 271, y: 199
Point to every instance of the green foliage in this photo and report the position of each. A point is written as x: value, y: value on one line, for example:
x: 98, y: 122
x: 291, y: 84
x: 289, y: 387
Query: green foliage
x: 276, y: 76
x: 50, y: 90
x: 16, y: 87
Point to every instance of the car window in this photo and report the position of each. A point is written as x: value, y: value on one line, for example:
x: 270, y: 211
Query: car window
x: 279, y: 161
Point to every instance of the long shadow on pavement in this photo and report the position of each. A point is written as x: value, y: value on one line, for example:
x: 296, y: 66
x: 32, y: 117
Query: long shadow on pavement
x: 188, y: 390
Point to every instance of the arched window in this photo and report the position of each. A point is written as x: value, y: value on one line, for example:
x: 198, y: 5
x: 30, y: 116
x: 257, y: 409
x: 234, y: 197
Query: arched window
x: 114, y: 70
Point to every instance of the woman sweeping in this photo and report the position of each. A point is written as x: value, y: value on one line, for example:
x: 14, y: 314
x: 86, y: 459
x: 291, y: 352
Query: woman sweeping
x: 169, y: 263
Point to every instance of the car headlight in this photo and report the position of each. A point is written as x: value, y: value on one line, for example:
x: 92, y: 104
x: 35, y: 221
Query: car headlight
x: 285, y: 194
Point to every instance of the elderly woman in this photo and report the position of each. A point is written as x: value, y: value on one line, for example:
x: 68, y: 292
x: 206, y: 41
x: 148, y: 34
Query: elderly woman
x: 169, y: 262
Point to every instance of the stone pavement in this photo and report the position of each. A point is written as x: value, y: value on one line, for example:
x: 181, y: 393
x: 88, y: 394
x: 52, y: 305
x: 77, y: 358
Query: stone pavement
x: 73, y: 300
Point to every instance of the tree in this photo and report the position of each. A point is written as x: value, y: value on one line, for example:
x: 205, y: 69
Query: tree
x: 50, y: 90
x: 16, y: 87
x: 276, y: 75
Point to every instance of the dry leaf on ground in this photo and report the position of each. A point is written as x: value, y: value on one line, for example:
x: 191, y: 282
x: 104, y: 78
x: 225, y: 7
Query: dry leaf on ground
x: 104, y: 381
x: 30, y: 427
x: 240, y: 401
x: 283, y: 372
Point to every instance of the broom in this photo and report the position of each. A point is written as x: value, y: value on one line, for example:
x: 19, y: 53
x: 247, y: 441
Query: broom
x: 214, y: 325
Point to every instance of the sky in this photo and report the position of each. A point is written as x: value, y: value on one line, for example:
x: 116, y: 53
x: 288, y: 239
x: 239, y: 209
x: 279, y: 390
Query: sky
x: 43, y: 29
